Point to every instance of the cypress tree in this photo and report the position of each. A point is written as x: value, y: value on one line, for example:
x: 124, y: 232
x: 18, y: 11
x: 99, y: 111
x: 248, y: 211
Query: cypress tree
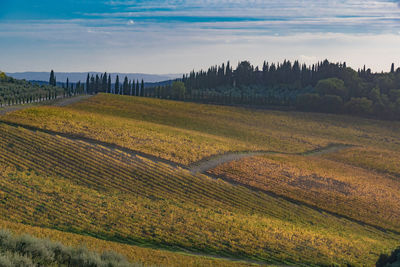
x: 116, y: 88
x: 109, y: 84
x: 87, y: 84
x: 125, y: 86
x: 392, y: 68
x: 97, y: 84
x: 142, y: 87
x: 104, y: 83
x: 92, y: 84
x: 138, y: 93
x: 52, y: 80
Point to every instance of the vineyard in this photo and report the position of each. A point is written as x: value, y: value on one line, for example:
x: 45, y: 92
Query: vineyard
x: 185, y: 133
x: 378, y: 160
x: 337, y: 187
x: 13, y: 92
x: 78, y: 187
x: 149, y: 256
x: 112, y: 171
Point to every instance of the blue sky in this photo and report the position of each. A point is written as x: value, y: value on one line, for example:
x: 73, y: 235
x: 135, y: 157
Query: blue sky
x: 176, y: 36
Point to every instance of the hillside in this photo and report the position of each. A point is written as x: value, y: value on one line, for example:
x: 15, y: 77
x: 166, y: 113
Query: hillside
x: 119, y: 168
x: 13, y: 91
x: 29, y: 251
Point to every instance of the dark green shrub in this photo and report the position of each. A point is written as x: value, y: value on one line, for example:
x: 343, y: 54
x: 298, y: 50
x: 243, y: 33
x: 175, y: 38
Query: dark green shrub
x: 26, y: 251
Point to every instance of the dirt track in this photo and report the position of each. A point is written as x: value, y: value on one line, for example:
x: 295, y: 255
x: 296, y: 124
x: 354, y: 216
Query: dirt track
x: 69, y: 101
x: 204, y: 165
x: 61, y: 102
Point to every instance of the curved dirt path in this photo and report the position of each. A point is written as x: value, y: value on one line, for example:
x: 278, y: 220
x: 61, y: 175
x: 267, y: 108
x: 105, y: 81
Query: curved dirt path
x: 59, y: 102
x: 71, y: 100
x: 204, y: 165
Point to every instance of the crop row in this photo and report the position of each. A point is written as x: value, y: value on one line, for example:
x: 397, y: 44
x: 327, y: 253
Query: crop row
x: 337, y: 187
x: 81, y: 187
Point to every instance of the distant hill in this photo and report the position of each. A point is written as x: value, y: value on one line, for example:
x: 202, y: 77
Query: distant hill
x: 81, y: 76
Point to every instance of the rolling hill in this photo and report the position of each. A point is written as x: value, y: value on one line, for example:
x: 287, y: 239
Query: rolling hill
x: 121, y: 170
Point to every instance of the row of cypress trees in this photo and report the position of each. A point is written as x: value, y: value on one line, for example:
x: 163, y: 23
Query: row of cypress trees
x: 103, y: 83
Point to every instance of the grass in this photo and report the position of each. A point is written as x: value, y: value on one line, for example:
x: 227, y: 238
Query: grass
x: 72, y: 186
x: 146, y: 256
x: 378, y: 160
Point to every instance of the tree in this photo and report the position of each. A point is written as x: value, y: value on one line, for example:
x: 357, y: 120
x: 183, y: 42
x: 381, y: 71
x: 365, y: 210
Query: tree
x: 308, y: 102
x: 142, y: 87
x: 125, y: 86
x: 109, y: 84
x: 97, y: 84
x: 52, y: 80
x: 359, y: 106
x: 331, y: 104
x: 138, y: 93
x: 332, y: 86
x: 178, y: 90
x: 392, y: 68
x: 243, y: 73
x: 3, y: 76
x: 116, y: 87
x: 104, y: 84
x: 92, y: 84
x: 87, y: 84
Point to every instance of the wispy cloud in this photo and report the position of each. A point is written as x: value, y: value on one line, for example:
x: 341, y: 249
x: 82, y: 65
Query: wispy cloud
x: 194, y: 33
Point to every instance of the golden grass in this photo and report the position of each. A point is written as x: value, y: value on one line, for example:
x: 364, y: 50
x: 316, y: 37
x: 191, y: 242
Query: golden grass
x: 146, y: 256
x: 329, y: 185
x: 82, y: 188
x: 379, y: 160
x: 186, y: 132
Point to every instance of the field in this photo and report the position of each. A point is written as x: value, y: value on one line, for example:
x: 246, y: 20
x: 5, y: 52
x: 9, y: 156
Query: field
x: 115, y: 171
x: 185, y: 133
x: 149, y: 256
x: 328, y: 185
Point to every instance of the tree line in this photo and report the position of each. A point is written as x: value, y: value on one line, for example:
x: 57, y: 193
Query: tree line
x: 14, y: 92
x: 322, y: 87
x: 97, y: 84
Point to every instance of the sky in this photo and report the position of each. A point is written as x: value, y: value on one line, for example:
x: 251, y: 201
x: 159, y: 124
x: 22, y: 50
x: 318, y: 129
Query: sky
x: 177, y: 36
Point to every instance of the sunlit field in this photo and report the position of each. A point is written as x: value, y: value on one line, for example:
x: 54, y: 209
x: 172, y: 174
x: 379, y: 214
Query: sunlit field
x: 75, y: 174
x: 340, y: 188
x: 185, y: 132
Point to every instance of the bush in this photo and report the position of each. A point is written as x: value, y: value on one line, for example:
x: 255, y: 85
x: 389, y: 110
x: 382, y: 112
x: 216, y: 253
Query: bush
x: 389, y: 261
x: 359, y: 106
x: 27, y: 251
x: 3, y: 76
x: 308, y: 102
x: 332, y: 86
x: 331, y: 104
